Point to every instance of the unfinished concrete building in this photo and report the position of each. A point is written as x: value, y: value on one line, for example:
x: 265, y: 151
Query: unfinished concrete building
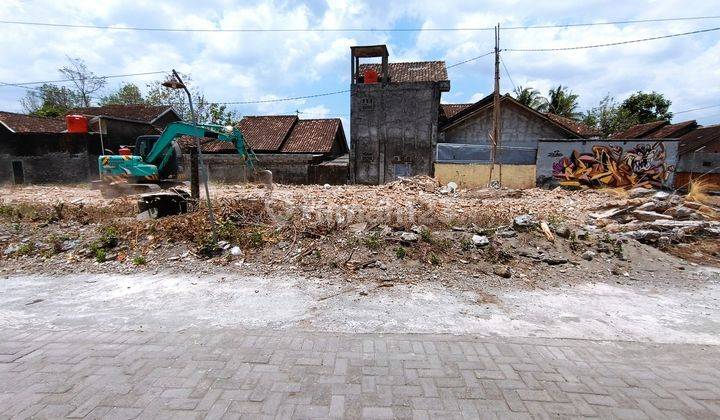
x: 393, y: 116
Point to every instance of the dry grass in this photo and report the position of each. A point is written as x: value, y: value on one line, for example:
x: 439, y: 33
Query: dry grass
x: 698, y: 191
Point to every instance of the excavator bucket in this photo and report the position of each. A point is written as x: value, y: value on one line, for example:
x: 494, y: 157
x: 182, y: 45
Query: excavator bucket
x: 164, y: 203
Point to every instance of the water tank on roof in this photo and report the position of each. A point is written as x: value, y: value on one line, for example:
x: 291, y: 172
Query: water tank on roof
x: 76, y: 124
x: 370, y: 76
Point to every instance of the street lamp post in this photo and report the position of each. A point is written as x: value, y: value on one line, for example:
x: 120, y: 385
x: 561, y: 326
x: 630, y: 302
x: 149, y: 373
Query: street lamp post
x: 177, y: 83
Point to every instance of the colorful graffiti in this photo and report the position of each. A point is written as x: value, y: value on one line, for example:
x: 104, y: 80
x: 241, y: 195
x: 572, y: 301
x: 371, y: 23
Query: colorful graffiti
x: 609, y: 166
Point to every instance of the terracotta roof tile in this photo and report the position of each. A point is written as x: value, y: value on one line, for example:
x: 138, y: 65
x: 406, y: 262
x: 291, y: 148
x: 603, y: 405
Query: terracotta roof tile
x: 139, y: 112
x: 578, y: 127
x: 449, y: 110
x: 673, y: 131
x: 207, y: 145
x: 266, y: 133
x: 420, y: 71
x: 699, y: 138
x: 639, y: 131
x: 21, y: 123
x: 312, y: 136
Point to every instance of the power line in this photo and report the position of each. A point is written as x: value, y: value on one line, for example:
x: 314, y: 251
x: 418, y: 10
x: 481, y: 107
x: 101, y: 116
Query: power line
x: 156, y: 29
x: 508, y: 73
x: 20, y: 84
x: 611, y: 43
x: 469, y: 60
x: 696, y: 109
x: 294, y: 98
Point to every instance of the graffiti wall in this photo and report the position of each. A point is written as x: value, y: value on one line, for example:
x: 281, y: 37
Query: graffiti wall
x: 606, y: 163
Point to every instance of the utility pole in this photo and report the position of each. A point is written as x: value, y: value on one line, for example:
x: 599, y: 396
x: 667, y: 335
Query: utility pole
x: 496, y: 105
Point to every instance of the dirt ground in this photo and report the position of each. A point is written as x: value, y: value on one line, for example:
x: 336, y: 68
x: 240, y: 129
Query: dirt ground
x: 401, y: 233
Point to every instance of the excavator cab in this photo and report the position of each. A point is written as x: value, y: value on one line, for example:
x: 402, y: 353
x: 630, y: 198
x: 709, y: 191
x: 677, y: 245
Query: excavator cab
x: 143, y: 146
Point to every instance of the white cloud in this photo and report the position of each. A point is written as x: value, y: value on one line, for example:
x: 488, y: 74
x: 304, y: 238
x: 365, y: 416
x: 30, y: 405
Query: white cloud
x: 240, y: 66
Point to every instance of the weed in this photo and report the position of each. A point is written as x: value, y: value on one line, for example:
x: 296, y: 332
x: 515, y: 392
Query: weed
x: 139, y: 260
x: 434, y: 259
x: 466, y: 244
x: 256, y: 239
x: 426, y: 235
x: 317, y: 254
x: 698, y: 191
x: 100, y: 255
x: 373, y: 241
x: 108, y: 237
x: 208, y: 248
x: 25, y: 249
x: 400, y: 252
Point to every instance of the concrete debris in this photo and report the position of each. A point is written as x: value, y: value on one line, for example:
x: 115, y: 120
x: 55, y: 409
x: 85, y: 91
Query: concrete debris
x: 555, y: 260
x: 408, y: 237
x: 235, y: 251
x: 524, y: 221
x: 588, y: 255
x: 648, y: 216
x: 450, y: 188
x: 505, y: 232
x: 480, y: 240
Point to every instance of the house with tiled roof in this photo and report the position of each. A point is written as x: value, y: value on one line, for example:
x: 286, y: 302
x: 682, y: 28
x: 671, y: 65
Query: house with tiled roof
x: 120, y: 125
x: 292, y: 148
x: 37, y: 150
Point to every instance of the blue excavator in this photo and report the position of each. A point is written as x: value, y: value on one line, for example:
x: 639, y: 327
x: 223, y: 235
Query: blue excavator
x: 153, y: 167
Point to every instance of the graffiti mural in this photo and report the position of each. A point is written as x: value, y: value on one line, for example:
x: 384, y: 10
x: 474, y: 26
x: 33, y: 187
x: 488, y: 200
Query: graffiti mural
x: 643, y: 165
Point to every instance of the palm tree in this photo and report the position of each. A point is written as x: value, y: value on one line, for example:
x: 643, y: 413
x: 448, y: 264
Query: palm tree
x: 531, y: 97
x: 563, y: 102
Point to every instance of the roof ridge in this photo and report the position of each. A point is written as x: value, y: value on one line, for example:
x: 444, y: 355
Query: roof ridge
x: 33, y: 116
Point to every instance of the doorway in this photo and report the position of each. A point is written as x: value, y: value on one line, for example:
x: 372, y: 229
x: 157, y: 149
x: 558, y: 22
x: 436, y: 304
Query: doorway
x: 18, y: 173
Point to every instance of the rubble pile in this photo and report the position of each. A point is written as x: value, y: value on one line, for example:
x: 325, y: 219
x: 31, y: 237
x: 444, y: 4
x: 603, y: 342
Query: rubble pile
x: 658, y: 218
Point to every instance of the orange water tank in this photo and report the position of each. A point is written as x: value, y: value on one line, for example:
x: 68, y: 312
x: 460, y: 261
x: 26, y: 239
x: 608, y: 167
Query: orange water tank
x: 370, y: 76
x: 124, y: 151
x: 76, y: 124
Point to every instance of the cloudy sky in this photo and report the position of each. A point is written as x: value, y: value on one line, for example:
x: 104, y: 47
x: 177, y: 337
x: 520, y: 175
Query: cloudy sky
x: 249, y: 66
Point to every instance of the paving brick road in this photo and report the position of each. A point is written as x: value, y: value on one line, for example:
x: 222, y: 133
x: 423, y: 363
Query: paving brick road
x: 292, y: 374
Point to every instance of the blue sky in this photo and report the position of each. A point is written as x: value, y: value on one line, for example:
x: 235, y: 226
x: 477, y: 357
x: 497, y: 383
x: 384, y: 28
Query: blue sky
x: 261, y: 66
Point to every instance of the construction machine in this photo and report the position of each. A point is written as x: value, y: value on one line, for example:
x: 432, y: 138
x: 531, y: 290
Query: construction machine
x: 153, y: 169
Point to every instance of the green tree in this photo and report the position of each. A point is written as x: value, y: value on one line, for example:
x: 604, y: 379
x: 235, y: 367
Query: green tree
x: 50, y: 101
x: 609, y: 117
x: 647, y: 107
x: 562, y: 101
x: 530, y: 97
x: 206, y: 112
x: 126, y: 94
x: 85, y: 81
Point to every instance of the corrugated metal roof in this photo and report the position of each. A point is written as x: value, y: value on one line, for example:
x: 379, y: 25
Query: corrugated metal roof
x: 419, y: 71
x: 699, y: 138
x: 639, y: 131
x: 138, y: 112
x: 21, y: 123
x: 266, y: 133
x: 312, y: 136
x: 673, y: 131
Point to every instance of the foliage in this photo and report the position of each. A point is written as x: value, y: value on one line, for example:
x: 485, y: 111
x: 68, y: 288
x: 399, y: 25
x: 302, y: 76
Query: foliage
x: 647, y: 107
x: 126, y: 94
x: 50, y: 101
x: 426, y: 235
x: 100, y: 255
x: 205, y: 111
x: 530, y: 97
x: 25, y: 249
x: 609, y: 117
x: 373, y: 241
x: 85, y: 81
x: 139, y: 260
x: 563, y: 102
x: 400, y: 252
x: 434, y: 259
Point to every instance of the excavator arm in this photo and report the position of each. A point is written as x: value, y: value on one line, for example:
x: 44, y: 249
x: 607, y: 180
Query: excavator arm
x: 162, y: 149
